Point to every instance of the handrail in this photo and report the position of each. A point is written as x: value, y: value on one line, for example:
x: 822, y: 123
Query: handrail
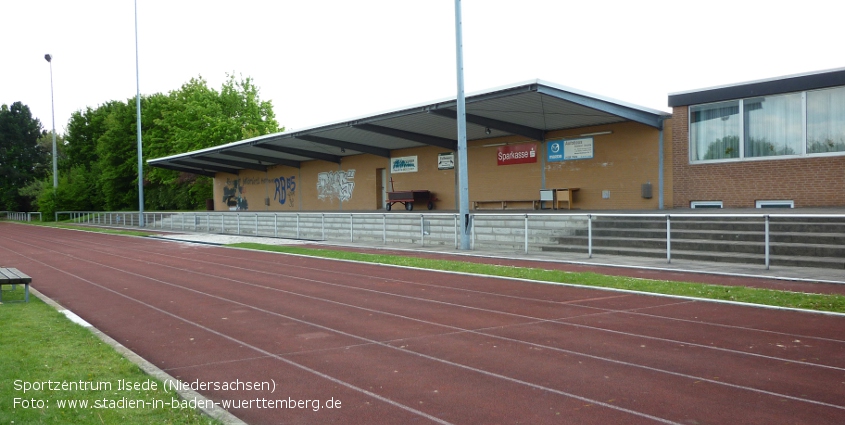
x: 422, y: 228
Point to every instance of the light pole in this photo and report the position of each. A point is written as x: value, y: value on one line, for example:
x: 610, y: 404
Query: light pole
x: 53, y: 106
x: 463, y: 176
x: 138, y: 110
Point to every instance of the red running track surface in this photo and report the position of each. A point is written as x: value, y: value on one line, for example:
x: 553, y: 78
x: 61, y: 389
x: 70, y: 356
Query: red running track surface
x: 396, y: 345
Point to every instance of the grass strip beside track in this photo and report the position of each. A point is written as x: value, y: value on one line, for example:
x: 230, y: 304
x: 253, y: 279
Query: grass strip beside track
x: 39, y: 344
x: 820, y: 302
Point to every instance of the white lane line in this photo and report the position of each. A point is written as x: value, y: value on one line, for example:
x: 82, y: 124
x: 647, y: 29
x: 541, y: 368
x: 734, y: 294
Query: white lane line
x: 574, y: 302
x: 521, y: 316
x: 537, y: 320
x: 436, y: 359
x: 244, y: 343
x: 558, y: 321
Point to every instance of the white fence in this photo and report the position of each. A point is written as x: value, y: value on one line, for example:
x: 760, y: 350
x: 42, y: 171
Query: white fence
x: 19, y: 216
x: 498, y: 231
x: 489, y: 231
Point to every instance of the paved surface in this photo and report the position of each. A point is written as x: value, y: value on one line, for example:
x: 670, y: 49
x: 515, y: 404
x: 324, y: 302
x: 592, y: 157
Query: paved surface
x: 408, y: 346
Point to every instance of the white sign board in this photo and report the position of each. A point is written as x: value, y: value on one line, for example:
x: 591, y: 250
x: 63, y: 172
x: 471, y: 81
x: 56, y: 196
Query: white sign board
x: 578, y: 148
x: 446, y: 161
x: 562, y: 150
x: 405, y: 164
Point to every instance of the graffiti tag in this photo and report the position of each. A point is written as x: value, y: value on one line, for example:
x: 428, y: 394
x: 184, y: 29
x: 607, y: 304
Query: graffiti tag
x: 335, y: 184
x: 285, y: 188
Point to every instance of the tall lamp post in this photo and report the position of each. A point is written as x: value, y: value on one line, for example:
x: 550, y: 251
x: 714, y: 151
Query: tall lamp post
x: 138, y: 110
x: 463, y: 176
x: 53, y: 106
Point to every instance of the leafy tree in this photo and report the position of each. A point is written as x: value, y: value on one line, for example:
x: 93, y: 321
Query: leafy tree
x: 117, y: 152
x: 83, y: 130
x: 100, y: 169
x: 22, y: 160
x: 46, y: 144
x: 198, y: 117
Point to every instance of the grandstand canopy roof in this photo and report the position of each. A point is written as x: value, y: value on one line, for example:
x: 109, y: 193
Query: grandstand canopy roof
x: 528, y: 109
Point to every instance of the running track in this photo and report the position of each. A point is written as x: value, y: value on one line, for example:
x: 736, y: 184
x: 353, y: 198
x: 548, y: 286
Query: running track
x: 409, y: 346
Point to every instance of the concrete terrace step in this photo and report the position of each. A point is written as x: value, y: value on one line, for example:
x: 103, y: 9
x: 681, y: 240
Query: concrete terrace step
x: 724, y: 226
x: 712, y: 256
x: 796, y: 241
x: 716, y: 235
x: 705, y: 245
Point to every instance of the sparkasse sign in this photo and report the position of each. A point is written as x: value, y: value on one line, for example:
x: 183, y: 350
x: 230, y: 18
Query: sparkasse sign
x: 522, y: 153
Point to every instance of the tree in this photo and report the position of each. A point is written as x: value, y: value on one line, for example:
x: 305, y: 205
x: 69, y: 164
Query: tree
x: 198, y: 117
x: 100, y: 169
x: 22, y: 160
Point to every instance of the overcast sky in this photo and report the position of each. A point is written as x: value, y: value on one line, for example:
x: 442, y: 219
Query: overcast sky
x: 329, y: 60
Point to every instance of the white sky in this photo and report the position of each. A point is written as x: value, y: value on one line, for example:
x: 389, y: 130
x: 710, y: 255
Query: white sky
x: 329, y: 60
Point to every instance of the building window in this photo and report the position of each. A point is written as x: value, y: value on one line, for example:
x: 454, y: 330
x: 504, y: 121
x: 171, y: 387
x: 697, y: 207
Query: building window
x: 773, y: 125
x: 705, y: 204
x: 793, y: 124
x: 714, y: 131
x: 826, y: 121
x: 775, y: 204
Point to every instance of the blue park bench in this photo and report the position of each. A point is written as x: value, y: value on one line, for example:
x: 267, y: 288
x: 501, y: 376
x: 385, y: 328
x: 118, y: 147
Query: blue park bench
x: 10, y: 276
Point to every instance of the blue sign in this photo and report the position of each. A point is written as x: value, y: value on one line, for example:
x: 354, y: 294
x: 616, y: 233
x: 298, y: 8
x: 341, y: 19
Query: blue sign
x: 554, y: 151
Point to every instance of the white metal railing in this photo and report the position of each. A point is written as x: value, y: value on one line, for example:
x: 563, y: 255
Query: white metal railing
x: 518, y: 231
x: 20, y: 216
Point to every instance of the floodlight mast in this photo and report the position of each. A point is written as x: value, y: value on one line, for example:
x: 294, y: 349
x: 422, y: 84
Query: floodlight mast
x: 138, y: 111
x: 463, y: 177
x: 49, y: 59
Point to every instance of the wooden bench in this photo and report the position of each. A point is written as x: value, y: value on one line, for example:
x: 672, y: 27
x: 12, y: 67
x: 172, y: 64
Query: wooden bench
x: 503, y: 203
x: 10, y: 276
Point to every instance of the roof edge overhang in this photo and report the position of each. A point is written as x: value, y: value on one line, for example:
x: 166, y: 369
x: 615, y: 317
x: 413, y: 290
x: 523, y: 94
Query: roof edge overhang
x: 628, y: 111
x: 784, y: 84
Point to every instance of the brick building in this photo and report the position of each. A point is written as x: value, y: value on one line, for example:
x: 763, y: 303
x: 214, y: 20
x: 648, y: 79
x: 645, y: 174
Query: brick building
x: 773, y: 143
x: 776, y: 142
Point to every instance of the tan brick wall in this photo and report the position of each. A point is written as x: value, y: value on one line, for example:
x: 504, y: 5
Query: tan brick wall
x: 490, y: 181
x: 257, y: 186
x: 441, y: 183
x: 810, y: 182
x: 622, y: 161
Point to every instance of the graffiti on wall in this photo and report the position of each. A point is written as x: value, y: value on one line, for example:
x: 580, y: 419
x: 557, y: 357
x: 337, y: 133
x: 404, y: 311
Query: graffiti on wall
x: 234, y: 195
x: 285, y: 190
x: 335, y: 184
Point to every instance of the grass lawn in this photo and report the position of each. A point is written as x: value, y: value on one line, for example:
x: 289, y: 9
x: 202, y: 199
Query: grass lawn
x: 39, y: 344
x: 821, y: 302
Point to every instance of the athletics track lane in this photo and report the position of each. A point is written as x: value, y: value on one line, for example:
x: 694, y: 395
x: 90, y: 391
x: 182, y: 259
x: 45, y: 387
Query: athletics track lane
x: 404, y: 346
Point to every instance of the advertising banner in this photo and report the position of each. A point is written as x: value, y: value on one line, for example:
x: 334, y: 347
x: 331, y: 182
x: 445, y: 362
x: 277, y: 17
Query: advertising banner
x: 405, y: 164
x: 522, y: 153
x: 561, y: 150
